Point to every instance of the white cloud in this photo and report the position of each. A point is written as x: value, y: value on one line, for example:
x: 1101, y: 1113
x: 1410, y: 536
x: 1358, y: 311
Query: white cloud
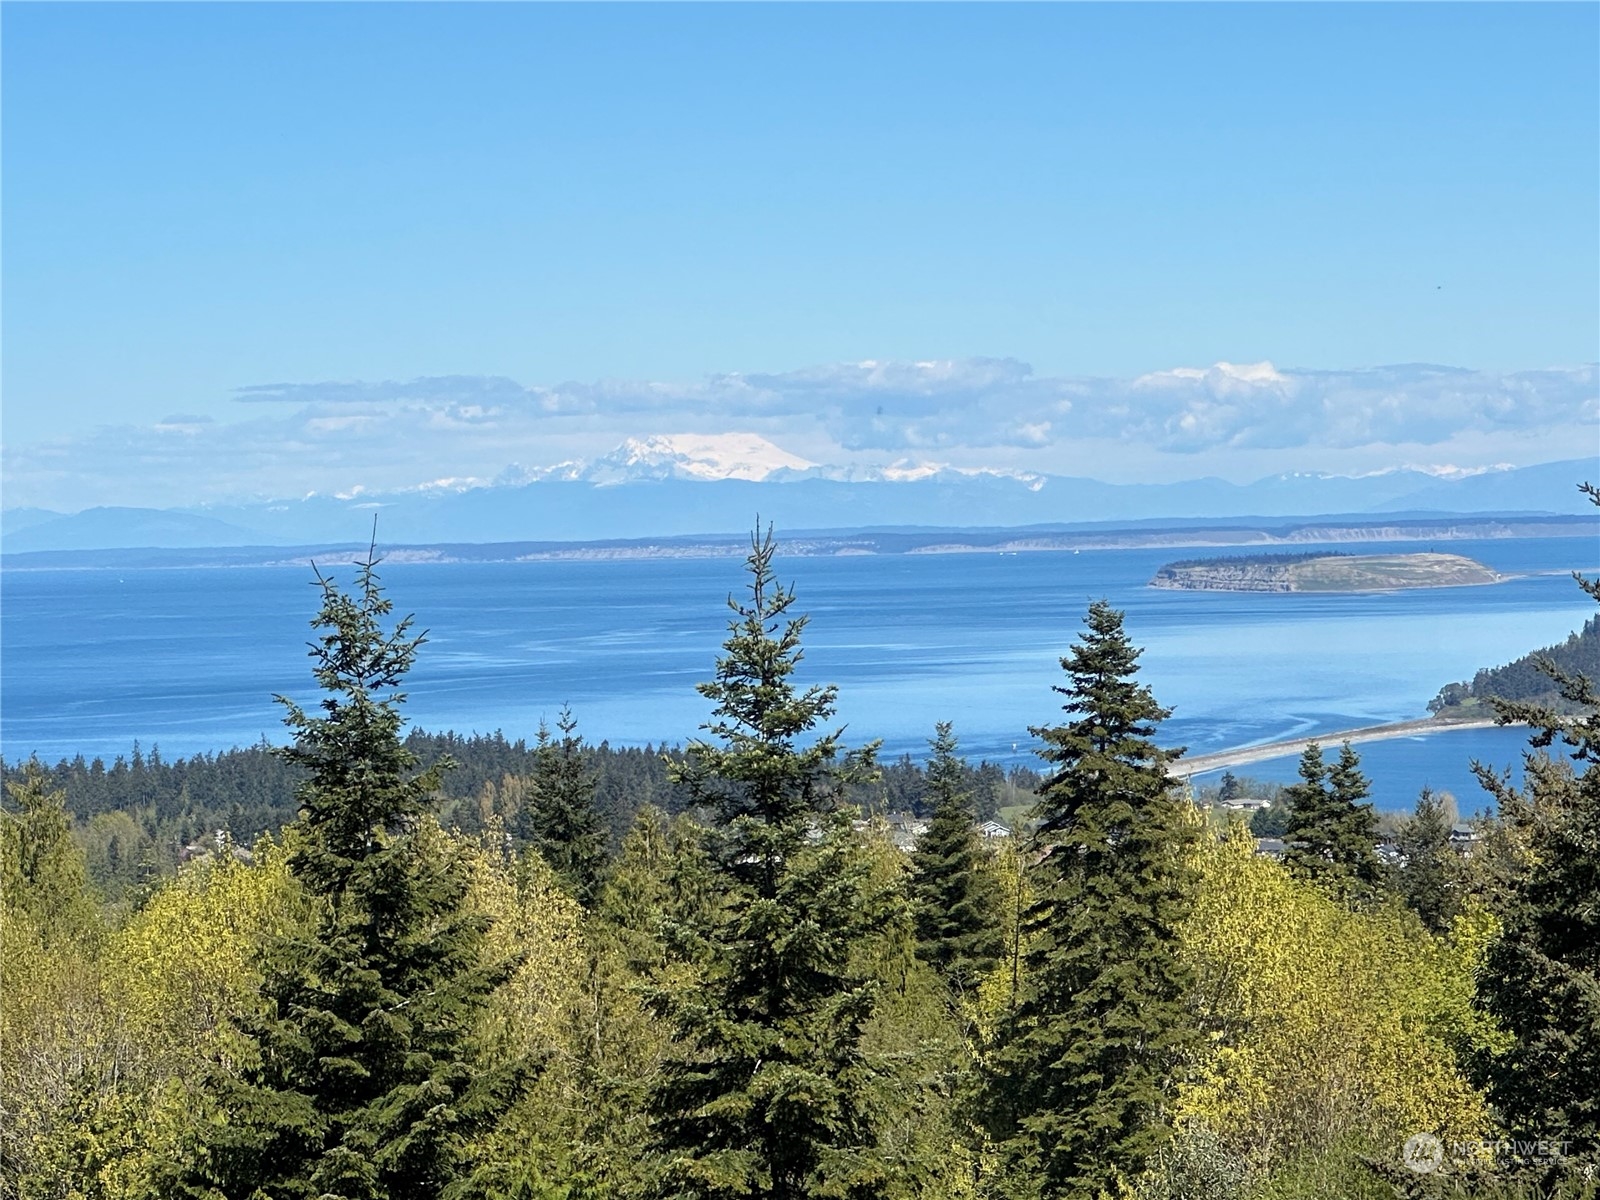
x: 457, y: 431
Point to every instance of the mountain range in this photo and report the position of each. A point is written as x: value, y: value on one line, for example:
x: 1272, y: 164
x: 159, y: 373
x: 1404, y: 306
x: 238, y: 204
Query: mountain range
x: 674, y: 485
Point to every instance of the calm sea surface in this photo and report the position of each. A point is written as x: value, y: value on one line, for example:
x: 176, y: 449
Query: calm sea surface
x: 189, y: 659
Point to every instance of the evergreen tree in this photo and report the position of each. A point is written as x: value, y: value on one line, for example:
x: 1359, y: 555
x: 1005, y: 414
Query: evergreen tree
x: 559, y: 816
x: 1228, y: 788
x: 766, y: 1091
x: 366, y: 1085
x: 42, y: 870
x: 1541, y: 978
x: 1087, y: 1065
x: 1311, y: 817
x: 1429, y: 874
x: 632, y: 903
x: 1332, y: 834
x: 955, y: 900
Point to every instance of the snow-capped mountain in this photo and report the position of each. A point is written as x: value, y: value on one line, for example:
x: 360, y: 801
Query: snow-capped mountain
x: 693, y: 484
x: 746, y: 456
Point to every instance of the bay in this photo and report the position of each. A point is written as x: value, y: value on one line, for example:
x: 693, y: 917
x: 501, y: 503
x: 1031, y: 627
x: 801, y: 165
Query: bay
x: 189, y: 659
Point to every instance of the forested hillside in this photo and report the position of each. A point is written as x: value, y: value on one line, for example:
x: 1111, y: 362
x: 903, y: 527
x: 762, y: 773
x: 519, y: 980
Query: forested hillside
x: 1529, y: 678
x: 474, y: 968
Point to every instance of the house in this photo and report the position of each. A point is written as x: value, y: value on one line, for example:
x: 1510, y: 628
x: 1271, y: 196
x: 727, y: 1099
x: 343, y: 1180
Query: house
x: 1464, y: 836
x: 904, y: 829
x: 992, y: 829
x: 1245, y: 804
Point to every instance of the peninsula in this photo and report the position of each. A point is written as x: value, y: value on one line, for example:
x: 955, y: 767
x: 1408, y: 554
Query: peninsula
x: 1323, y: 573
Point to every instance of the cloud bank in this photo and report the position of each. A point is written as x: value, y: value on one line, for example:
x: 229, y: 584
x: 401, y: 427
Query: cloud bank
x: 1237, y: 420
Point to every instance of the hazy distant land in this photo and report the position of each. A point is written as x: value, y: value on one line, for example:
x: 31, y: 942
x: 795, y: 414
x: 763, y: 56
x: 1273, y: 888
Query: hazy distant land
x: 1126, y: 535
x: 1324, y: 573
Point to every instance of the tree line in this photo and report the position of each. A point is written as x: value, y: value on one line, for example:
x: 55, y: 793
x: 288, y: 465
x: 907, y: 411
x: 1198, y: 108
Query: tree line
x: 759, y: 995
x: 1533, y: 677
x: 140, y: 817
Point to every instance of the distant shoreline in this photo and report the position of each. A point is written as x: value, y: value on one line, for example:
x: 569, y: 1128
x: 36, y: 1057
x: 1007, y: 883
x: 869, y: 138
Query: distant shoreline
x: 1204, y: 764
x: 1201, y: 535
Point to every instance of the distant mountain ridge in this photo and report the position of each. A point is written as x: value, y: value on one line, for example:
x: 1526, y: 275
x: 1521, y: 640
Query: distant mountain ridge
x: 680, y: 484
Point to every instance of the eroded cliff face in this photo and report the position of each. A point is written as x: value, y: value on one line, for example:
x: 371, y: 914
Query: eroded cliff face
x: 1223, y: 577
x: 1333, y: 573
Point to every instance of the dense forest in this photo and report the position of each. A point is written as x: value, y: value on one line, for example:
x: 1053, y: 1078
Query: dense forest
x: 378, y: 965
x: 1284, y: 559
x: 140, y: 818
x: 1532, y: 678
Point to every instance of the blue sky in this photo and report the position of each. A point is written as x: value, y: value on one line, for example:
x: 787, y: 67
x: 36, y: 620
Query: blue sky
x: 200, y: 198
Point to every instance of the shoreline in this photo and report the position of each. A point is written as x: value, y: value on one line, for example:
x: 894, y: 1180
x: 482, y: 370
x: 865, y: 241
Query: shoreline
x: 1222, y: 534
x: 1239, y: 756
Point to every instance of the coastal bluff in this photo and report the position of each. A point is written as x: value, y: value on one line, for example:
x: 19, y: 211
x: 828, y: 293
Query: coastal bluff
x: 1323, y: 573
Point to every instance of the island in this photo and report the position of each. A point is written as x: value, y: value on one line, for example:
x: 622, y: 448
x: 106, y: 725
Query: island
x: 1323, y: 572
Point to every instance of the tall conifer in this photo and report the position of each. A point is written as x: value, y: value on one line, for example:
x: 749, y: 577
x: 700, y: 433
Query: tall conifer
x: 1429, y: 874
x: 559, y: 816
x: 955, y: 900
x: 1333, y: 831
x: 1087, y: 1066
x: 42, y: 871
x: 1541, y: 978
x: 366, y: 1086
x: 767, y: 1091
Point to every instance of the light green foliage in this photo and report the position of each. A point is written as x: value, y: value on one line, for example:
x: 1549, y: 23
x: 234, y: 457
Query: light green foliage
x: 1324, y: 1023
x: 573, y: 1008
x: 103, y: 1041
x: 42, y: 870
x: 121, y: 857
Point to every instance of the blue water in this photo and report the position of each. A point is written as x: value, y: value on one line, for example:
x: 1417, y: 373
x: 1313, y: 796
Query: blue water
x: 189, y: 659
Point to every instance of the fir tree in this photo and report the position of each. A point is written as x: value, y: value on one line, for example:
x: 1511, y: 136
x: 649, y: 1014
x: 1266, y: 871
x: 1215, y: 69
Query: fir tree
x: 1541, y: 978
x: 955, y: 900
x: 366, y: 1085
x: 632, y: 903
x: 766, y: 1092
x: 1086, y: 1068
x: 1333, y: 833
x: 1429, y: 875
x: 559, y: 816
x: 1311, y: 818
x: 1228, y: 788
x: 42, y: 870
